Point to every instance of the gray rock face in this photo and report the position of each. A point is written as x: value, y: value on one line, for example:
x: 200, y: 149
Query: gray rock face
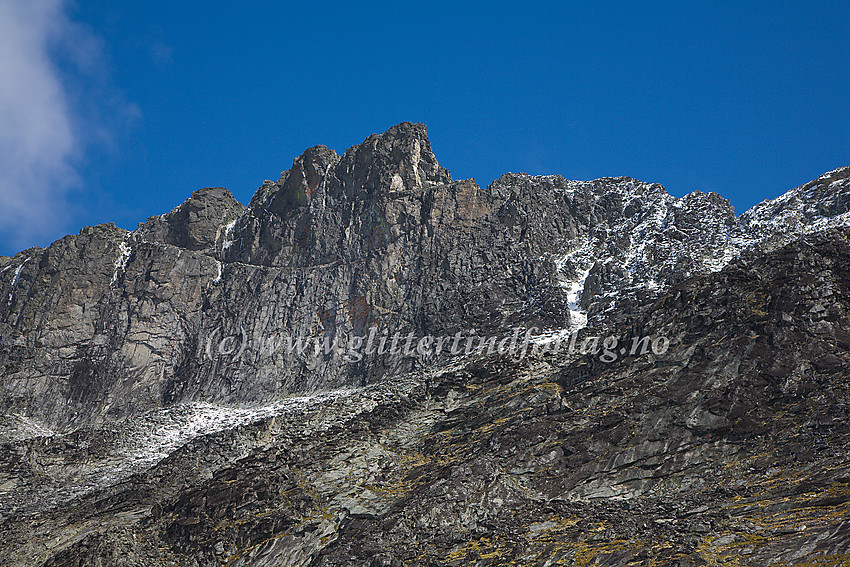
x: 147, y: 409
x: 92, y: 324
x: 196, y: 224
x: 631, y: 237
x: 378, y: 238
x: 729, y: 447
x: 108, y: 323
x: 816, y: 205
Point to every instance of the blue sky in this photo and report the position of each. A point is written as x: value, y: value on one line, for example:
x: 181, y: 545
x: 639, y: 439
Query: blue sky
x: 115, y: 111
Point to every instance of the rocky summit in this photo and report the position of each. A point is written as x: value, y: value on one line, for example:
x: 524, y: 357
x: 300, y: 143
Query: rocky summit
x: 375, y: 364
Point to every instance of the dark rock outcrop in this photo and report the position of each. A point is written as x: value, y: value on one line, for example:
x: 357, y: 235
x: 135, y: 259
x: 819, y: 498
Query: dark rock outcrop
x: 716, y: 451
x: 150, y: 415
x: 196, y: 224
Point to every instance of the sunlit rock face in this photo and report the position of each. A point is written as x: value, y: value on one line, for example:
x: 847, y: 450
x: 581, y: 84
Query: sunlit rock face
x: 150, y: 415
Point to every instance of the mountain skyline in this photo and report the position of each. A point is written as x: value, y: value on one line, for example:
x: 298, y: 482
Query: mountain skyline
x: 147, y: 419
x: 739, y: 213
x: 112, y: 112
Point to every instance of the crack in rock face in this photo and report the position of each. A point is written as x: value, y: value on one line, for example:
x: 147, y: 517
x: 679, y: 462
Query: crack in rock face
x: 150, y: 415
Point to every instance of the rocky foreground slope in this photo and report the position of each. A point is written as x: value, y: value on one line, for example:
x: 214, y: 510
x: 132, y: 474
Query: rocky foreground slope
x: 146, y: 421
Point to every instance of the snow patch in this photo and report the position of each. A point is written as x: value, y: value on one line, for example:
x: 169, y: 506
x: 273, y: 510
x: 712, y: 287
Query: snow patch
x: 578, y: 316
x: 160, y: 433
x: 220, y: 269
x: 558, y: 335
x: 148, y: 439
x: 28, y: 428
x: 121, y: 262
x: 15, y: 279
x: 228, y: 234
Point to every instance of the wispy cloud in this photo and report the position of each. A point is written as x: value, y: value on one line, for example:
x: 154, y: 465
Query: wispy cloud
x: 44, y: 129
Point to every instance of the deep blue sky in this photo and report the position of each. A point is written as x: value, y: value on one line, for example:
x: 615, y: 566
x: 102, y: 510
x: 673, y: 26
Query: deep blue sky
x: 745, y: 100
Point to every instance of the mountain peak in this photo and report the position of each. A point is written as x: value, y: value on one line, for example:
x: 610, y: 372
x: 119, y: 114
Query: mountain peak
x: 297, y: 185
x: 399, y: 159
x: 146, y: 407
x: 820, y: 203
x: 195, y: 223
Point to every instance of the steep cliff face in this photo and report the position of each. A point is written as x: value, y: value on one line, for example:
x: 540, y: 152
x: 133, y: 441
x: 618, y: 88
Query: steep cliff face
x: 109, y: 323
x: 92, y: 325
x: 821, y: 203
x: 378, y: 238
x: 730, y: 447
x: 151, y: 411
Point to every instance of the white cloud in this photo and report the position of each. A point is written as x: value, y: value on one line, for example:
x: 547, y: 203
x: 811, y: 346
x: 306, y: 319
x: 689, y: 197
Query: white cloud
x: 42, y: 132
